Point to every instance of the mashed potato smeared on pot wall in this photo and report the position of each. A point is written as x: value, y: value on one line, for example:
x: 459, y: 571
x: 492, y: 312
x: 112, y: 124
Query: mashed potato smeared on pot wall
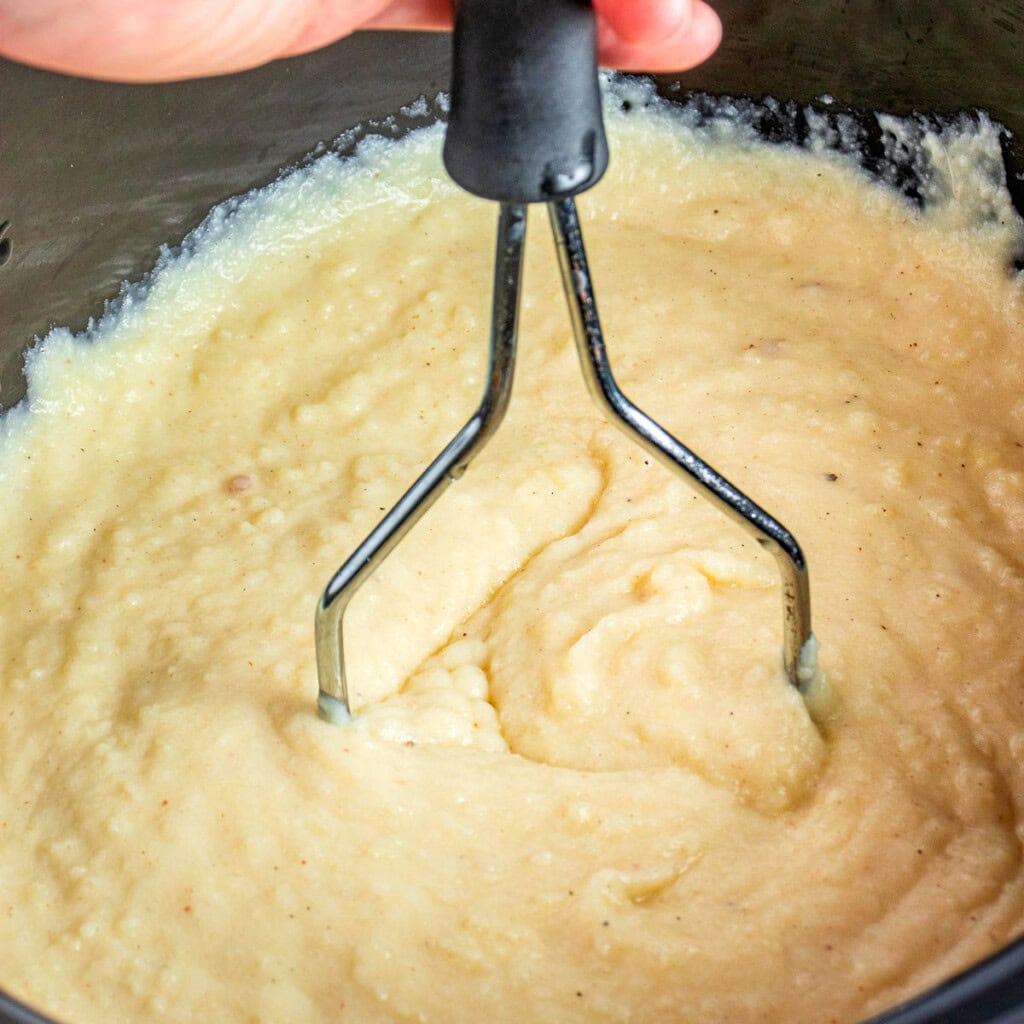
x: 579, y: 788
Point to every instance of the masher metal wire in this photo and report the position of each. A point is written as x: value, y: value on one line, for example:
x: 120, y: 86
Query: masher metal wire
x: 653, y: 438
x: 333, y: 701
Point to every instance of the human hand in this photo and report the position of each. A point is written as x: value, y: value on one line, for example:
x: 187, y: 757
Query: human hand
x: 164, y: 40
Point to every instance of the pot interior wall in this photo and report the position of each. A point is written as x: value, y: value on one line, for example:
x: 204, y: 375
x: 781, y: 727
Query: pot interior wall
x: 95, y: 176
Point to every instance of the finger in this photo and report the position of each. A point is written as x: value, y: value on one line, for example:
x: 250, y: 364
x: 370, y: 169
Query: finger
x: 694, y: 38
x: 157, y: 40
x: 644, y: 23
x: 331, y: 24
x: 430, y: 15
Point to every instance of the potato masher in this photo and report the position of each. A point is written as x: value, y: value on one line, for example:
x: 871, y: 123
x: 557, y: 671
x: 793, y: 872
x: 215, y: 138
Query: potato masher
x: 526, y: 126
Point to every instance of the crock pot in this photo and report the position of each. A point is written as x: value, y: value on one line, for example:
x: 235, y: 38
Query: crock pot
x: 95, y: 177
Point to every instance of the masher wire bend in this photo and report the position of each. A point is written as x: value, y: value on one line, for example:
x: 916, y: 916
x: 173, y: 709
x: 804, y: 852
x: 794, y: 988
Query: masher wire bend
x: 525, y: 126
x: 448, y: 466
x: 653, y: 438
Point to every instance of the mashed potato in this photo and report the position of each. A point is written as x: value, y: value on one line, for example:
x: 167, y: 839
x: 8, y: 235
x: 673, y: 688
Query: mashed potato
x: 578, y: 787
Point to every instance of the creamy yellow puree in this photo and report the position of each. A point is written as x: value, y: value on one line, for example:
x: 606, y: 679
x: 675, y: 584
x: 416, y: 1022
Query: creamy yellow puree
x: 578, y: 787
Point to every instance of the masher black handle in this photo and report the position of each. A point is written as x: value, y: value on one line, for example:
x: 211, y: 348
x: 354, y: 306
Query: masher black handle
x: 525, y: 123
